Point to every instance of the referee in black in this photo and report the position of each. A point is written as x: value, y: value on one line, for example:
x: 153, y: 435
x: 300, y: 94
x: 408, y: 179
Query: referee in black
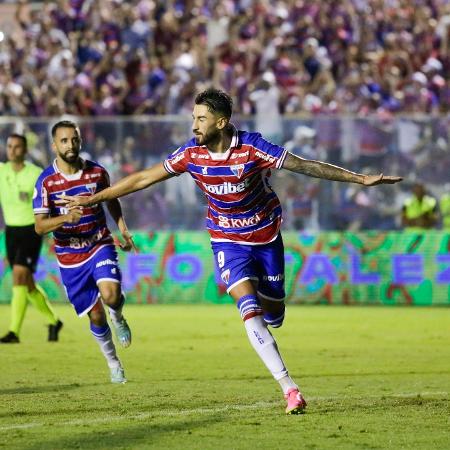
x: 23, y: 245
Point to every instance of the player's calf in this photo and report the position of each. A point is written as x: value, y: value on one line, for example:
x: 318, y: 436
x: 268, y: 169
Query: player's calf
x: 275, y: 319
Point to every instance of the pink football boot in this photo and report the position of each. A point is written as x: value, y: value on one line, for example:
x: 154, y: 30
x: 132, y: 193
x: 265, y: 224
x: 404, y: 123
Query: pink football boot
x: 296, y: 404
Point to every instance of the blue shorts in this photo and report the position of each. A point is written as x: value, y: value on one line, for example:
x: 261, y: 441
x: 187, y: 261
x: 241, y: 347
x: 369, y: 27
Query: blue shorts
x: 81, y: 281
x: 261, y: 263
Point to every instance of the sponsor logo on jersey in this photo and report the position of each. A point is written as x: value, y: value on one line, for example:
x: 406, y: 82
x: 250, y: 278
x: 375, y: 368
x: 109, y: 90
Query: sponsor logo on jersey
x: 238, y: 170
x: 265, y: 156
x: 225, y: 275
x: 239, y: 155
x: 198, y: 156
x: 44, y: 197
x: 279, y: 277
x: 77, y: 243
x: 106, y: 262
x: 204, y: 170
x: 177, y: 158
x: 55, y: 183
x: 226, y: 222
x: 92, y: 175
x: 226, y: 187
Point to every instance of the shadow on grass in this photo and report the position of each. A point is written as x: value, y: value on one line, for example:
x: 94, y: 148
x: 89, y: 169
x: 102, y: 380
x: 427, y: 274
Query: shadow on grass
x: 128, y: 436
x: 55, y: 388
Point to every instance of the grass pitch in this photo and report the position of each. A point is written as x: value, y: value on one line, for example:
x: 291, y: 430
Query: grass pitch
x: 374, y: 378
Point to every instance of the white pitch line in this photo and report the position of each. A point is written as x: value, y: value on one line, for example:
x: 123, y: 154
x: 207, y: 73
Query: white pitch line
x: 200, y: 411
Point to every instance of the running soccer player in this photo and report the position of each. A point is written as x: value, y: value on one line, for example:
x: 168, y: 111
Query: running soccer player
x: 83, y: 243
x: 232, y: 168
x: 23, y: 245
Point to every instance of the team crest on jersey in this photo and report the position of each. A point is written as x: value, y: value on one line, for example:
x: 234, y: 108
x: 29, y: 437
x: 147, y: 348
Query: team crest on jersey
x: 238, y: 170
x: 91, y: 187
x: 225, y: 275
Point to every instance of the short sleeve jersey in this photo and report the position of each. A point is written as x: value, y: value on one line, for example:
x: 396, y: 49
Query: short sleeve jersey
x: 74, y: 243
x: 16, y: 193
x: 242, y: 207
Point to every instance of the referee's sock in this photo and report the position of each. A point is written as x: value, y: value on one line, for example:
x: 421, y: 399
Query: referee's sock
x: 40, y: 301
x: 18, y: 307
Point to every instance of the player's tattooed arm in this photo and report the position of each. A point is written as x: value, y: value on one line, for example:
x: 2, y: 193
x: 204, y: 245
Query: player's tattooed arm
x: 319, y: 169
x: 132, y: 183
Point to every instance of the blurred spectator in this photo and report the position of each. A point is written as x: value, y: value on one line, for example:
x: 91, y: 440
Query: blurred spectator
x: 266, y: 99
x: 302, y: 143
x: 151, y: 56
x: 420, y: 211
x: 444, y: 207
x: 301, y: 203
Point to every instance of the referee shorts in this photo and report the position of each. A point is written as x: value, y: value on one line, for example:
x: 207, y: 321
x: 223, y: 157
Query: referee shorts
x: 23, y: 246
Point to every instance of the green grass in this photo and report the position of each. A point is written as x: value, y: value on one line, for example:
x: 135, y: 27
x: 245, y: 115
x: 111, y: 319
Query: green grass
x: 374, y: 378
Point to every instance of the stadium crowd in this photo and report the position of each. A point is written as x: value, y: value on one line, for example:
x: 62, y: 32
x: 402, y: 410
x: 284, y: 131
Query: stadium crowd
x: 111, y: 57
x: 324, y: 79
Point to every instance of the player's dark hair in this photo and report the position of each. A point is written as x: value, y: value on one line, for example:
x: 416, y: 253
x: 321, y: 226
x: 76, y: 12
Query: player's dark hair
x: 63, y: 124
x: 217, y: 101
x: 21, y: 137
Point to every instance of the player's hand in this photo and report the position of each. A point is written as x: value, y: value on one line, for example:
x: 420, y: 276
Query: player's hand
x: 128, y: 243
x: 373, y: 180
x: 73, y: 201
x: 74, y: 215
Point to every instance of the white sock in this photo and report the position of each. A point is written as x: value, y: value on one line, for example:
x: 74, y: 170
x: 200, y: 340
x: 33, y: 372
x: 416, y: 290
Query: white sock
x: 266, y: 347
x: 104, y: 338
x: 286, y: 384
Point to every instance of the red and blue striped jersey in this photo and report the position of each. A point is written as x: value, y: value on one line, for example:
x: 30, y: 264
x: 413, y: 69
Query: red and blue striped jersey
x: 242, y: 207
x: 74, y: 243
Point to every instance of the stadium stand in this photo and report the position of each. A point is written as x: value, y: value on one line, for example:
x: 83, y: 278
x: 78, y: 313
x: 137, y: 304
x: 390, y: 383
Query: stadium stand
x: 150, y: 56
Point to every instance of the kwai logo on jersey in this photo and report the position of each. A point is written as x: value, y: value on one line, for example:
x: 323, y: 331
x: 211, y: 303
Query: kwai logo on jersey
x: 226, y: 222
x: 226, y: 187
x: 238, y: 170
x: 225, y: 275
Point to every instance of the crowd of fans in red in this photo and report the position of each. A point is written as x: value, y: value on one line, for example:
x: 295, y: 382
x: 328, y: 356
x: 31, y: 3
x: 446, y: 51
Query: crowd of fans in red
x: 110, y: 57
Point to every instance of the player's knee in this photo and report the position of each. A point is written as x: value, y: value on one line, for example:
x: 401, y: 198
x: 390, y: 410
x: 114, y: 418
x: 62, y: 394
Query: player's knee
x: 97, y: 315
x: 21, y: 275
x: 249, y: 307
x: 111, y: 295
x: 276, y: 318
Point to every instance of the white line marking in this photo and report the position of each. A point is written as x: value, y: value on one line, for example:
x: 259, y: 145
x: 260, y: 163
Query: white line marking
x: 200, y: 411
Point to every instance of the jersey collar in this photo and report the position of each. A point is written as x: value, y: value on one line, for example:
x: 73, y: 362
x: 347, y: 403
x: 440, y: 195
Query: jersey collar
x: 234, y: 143
x: 75, y: 176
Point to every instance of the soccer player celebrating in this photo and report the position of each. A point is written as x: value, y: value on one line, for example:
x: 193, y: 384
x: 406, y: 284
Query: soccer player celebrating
x: 23, y: 245
x: 83, y: 243
x: 244, y: 216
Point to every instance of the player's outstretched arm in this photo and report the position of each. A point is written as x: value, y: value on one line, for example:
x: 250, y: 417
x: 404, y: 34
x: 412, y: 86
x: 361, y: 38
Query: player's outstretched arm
x: 132, y: 183
x: 319, y: 169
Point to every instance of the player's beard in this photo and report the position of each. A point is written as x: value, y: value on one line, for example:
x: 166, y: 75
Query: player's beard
x: 209, y: 137
x: 72, y: 158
